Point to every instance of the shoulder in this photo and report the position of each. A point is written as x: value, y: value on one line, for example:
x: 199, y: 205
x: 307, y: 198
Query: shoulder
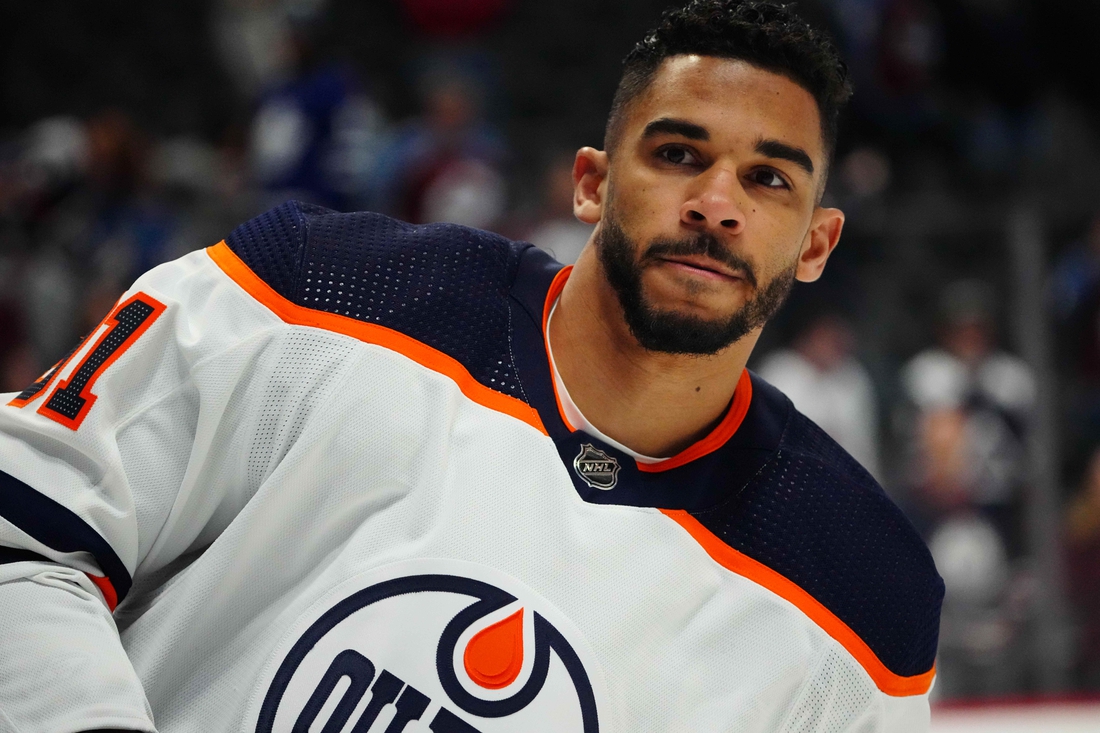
x: 296, y: 245
x: 813, y: 515
x: 443, y: 285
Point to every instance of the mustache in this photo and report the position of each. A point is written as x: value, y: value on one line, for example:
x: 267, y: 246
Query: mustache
x: 703, y: 244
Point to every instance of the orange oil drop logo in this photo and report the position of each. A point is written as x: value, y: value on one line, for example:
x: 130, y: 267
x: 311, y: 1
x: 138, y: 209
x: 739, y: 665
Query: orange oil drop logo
x: 494, y: 656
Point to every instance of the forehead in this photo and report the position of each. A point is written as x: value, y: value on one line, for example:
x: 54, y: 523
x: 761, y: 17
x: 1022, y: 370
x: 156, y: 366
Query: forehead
x: 732, y: 99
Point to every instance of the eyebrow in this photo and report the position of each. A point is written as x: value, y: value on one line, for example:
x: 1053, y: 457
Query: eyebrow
x: 671, y: 126
x: 783, y: 151
x: 692, y: 131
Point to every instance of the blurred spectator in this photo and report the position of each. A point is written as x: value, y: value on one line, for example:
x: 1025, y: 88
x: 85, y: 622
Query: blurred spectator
x: 554, y: 228
x: 51, y: 204
x: 445, y: 165
x: 826, y: 382
x: 967, y: 368
x: 316, y: 134
x: 987, y: 391
x: 448, y: 163
x: 862, y: 185
x: 56, y: 155
x: 971, y: 410
x: 254, y: 39
x: 1083, y: 571
x: 205, y: 186
x: 986, y: 603
x: 130, y: 225
x: 985, y: 611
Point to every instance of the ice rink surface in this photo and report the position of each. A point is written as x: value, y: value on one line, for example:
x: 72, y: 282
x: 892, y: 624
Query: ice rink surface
x: 1029, y: 717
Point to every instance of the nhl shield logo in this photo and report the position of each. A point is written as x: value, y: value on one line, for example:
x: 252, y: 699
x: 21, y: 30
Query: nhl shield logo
x: 596, y: 468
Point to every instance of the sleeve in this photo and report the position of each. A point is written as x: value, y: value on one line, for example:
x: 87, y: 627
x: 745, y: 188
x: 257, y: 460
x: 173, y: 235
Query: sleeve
x: 117, y: 461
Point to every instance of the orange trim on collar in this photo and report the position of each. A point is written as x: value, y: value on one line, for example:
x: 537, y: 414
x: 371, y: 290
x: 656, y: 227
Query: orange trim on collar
x: 556, y: 286
x: 743, y: 565
x: 371, y: 333
x: 742, y: 398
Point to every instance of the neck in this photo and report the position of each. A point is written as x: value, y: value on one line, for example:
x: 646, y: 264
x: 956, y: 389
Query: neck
x: 656, y: 404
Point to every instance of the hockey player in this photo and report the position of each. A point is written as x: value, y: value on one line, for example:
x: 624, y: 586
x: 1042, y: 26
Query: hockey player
x: 342, y: 473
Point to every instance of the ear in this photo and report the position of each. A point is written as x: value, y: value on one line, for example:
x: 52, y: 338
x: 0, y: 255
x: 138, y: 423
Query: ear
x: 589, y: 184
x: 825, y: 228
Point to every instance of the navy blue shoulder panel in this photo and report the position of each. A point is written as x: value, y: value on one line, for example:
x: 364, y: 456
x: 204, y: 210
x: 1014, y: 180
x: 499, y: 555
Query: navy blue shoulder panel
x: 272, y: 244
x: 441, y: 284
x: 815, y: 516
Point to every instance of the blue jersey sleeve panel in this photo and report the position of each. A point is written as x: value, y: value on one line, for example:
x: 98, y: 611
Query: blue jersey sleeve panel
x: 441, y: 284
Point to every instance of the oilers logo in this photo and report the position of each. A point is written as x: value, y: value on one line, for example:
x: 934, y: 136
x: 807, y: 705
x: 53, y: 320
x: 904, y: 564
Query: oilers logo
x: 427, y: 645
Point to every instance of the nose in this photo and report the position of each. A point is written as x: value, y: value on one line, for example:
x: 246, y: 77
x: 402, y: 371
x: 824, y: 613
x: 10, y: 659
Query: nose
x: 712, y: 204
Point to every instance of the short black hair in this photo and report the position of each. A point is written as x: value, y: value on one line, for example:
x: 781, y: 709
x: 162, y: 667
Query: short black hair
x: 765, y: 34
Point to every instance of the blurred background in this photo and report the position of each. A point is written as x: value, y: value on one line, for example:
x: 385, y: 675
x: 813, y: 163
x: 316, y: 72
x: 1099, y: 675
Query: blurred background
x: 953, y: 345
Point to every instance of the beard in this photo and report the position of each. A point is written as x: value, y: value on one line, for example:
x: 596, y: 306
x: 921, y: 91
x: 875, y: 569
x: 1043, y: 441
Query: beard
x: 675, y: 333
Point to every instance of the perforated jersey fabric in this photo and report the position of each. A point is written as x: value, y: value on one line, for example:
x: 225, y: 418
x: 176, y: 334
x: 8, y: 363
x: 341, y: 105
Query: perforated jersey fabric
x: 249, y: 469
x: 442, y: 284
x: 816, y: 516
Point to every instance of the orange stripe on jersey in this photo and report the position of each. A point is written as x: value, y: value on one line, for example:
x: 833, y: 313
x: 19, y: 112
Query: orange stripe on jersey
x: 742, y: 398
x: 106, y: 589
x: 371, y: 333
x: 745, y: 566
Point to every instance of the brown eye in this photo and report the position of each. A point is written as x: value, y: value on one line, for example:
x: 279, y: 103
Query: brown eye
x: 770, y: 179
x: 677, y: 155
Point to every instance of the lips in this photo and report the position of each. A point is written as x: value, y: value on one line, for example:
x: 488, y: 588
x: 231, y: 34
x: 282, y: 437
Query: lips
x: 702, y: 265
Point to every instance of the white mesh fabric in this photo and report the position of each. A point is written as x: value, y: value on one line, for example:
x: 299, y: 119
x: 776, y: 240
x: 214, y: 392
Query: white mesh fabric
x: 304, y: 362
x: 836, y: 697
x: 154, y: 448
x: 57, y: 675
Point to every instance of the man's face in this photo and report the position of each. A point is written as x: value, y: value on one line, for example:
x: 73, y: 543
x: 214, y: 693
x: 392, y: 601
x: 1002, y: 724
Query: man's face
x: 710, y: 200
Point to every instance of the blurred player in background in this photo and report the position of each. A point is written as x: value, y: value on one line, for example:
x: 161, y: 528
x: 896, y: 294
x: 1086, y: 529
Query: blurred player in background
x: 339, y: 470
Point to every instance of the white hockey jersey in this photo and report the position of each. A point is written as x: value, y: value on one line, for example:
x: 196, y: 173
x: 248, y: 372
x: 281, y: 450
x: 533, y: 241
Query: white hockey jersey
x: 319, y: 474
